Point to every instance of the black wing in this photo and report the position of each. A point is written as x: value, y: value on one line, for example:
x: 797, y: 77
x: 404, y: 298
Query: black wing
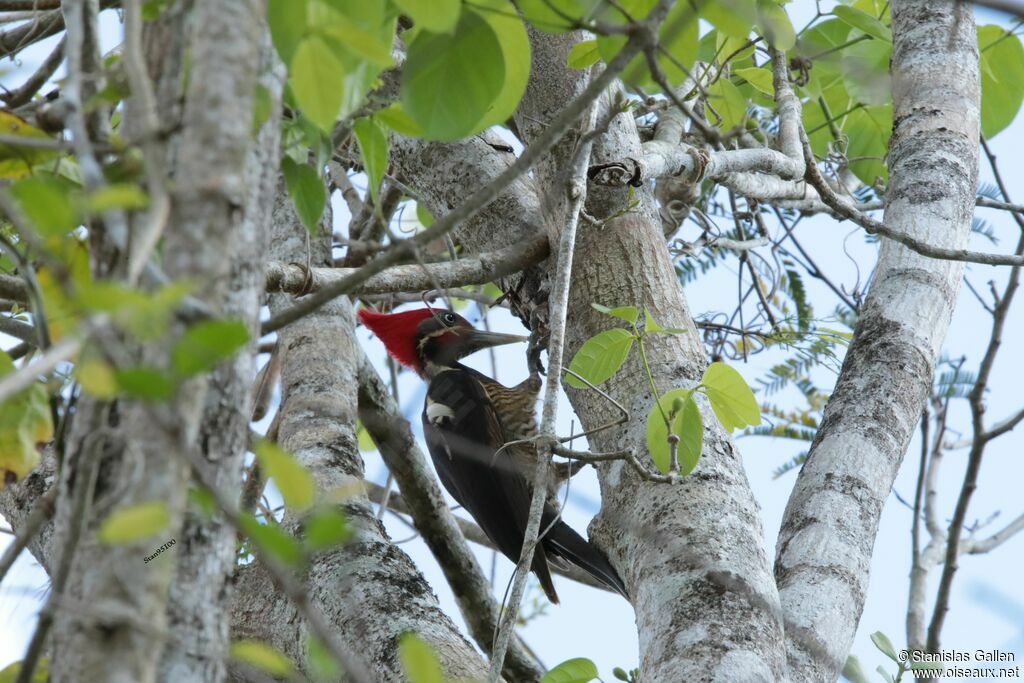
x: 464, y: 434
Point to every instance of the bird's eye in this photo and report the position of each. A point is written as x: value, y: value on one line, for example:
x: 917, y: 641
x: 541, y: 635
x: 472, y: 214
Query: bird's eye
x: 449, y: 318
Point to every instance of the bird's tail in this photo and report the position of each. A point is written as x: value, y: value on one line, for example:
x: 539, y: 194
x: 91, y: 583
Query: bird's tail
x: 564, y: 542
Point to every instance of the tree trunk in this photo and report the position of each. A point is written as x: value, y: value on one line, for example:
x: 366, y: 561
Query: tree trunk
x: 828, y: 531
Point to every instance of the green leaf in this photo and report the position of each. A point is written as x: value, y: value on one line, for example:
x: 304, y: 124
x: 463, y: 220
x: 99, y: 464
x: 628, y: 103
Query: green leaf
x: 853, y: 672
x: 397, y: 120
x: 316, y: 77
x: 775, y: 25
x: 1002, y: 78
x: 451, y: 82
x: 758, y: 77
x: 146, y: 383
x: 730, y: 396
x: 366, y: 442
x: 651, y: 326
x: 732, y: 17
x: 727, y: 100
x: 868, y: 129
x: 579, y: 670
x: 600, y: 357
x: 293, y: 480
x: 627, y: 313
x: 134, y: 522
x: 307, y: 190
x: 272, y: 540
x: 684, y: 416
x: 863, y: 22
x: 583, y: 54
x: 24, y: 422
x: 884, y: 645
x: 419, y: 661
x: 679, y: 38
x: 96, y: 377
x: 325, y: 528
x: 322, y: 663
x: 263, y: 657
x: 120, y: 196
x: 287, y: 20
x: 47, y: 204
x: 362, y: 44
x: 865, y: 68
x: 423, y: 215
x: 438, y: 16
x: 206, y: 344
x: 886, y: 676
x: 373, y: 147
x: 555, y: 16
x: 9, y: 674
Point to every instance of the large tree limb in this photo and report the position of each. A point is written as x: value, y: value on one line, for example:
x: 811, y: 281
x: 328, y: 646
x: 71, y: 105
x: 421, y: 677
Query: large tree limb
x: 829, y: 528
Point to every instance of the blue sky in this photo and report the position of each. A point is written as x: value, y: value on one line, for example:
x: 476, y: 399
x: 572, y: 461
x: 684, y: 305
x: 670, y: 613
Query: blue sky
x: 987, y: 606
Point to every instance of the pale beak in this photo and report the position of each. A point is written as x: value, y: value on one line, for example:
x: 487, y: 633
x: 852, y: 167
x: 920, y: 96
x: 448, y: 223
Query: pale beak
x: 481, y: 339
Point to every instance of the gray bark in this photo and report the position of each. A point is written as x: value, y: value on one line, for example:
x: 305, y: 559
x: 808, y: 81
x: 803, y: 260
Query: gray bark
x: 829, y: 528
x: 111, y: 622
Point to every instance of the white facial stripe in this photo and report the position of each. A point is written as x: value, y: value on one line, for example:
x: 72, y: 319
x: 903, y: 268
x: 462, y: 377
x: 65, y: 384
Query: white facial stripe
x: 437, y: 412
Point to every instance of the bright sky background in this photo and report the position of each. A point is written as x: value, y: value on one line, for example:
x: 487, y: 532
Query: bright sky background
x: 987, y: 606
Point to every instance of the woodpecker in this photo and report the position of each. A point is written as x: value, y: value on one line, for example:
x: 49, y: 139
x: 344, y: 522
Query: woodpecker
x: 468, y: 420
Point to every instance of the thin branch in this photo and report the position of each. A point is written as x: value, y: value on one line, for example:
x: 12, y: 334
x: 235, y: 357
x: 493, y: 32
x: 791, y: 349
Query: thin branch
x: 481, y: 269
x: 41, y: 513
x: 22, y: 378
x: 28, y: 89
x: 558, y: 302
x: 18, y: 330
x: 847, y: 210
x: 995, y: 540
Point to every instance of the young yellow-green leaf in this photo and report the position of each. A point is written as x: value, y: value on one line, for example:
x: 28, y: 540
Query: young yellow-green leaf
x: 307, y: 191
x: 423, y: 216
x: 146, y: 383
x: 395, y: 118
x: 758, y: 77
x: 730, y: 396
x: 287, y: 20
x: 207, y: 343
x: 24, y: 423
x: 728, y: 102
x: 583, y: 54
x: 366, y: 442
x: 678, y: 405
x: 775, y: 25
x: 46, y: 201
x: 451, y: 82
x: 578, y: 670
x: 627, y: 313
x: 679, y: 37
x: 316, y: 76
x: 600, y: 357
x: 853, y: 671
x: 17, y: 161
x: 863, y: 21
x: 419, y: 661
x: 120, y: 196
x: 263, y: 657
x: 97, y: 378
x: 438, y: 16
x: 134, y: 522
x: 9, y: 674
x: 651, y: 326
x: 359, y: 43
x: 272, y: 540
x: 292, y: 480
x: 373, y: 147
x: 325, y: 528
x: 1002, y: 78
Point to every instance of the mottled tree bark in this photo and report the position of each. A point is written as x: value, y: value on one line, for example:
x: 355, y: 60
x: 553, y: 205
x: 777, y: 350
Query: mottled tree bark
x: 828, y: 532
